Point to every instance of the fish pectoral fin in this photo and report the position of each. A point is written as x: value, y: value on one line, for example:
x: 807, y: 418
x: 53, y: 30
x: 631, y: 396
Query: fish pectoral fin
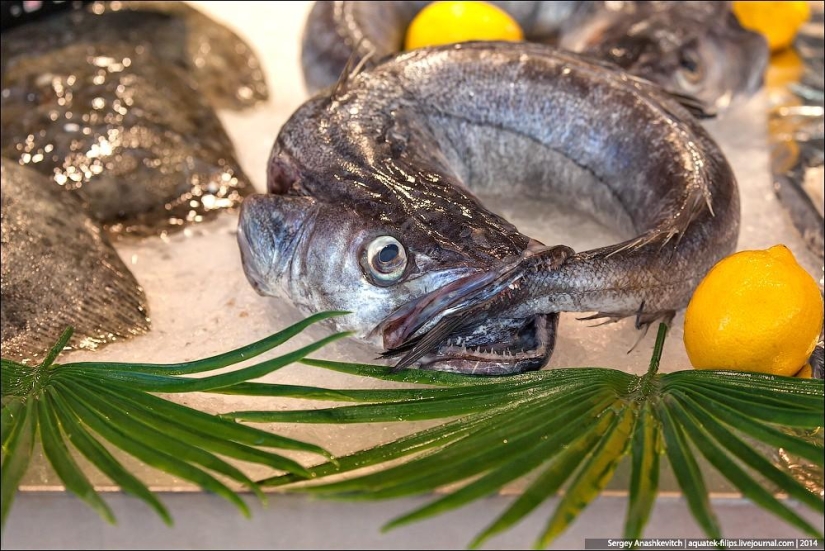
x: 695, y: 106
x: 418, y: 347
x: 355, y: 64
x: 606, y: 316
x: 645, y: 319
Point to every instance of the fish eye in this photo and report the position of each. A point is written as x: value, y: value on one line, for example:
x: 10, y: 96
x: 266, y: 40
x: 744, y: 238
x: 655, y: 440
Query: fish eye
x: 386, y: 260
x: 690, y: 67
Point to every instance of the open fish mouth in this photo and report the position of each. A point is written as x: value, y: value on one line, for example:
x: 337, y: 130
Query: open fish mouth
x: 464, y: 326
x: 497, y: 346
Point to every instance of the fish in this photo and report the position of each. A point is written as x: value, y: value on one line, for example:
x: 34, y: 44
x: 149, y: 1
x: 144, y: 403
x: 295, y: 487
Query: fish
x: 223, y: 67
x: 693, y: 49
x: 59, y: 269
x: 373, y: 208
x: 105, y: 105
x: 109, y: 129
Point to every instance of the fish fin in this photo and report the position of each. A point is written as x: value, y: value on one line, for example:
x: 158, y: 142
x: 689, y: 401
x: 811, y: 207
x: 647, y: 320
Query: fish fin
x: 102, y: 302
x: 608, y: 317
x: 116, y: 312
x: 642, y: 322
x: 406, y: 346
x: 59, y: 269
x: 694, y: 105
x: 484, y: 300
x: 355, y: 64
x: 698, y: 199
x: 428, y: 341
x: 645, y: 319
x: 642, y: 335
x: 639, y: 242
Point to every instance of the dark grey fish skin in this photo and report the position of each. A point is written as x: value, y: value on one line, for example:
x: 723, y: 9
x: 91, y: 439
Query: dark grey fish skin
x: 385, y: 162
x: 223, y: 67
x: 817, y: 361
x: 123, y: 129
x: 695, y: 49
x: 59, y: 269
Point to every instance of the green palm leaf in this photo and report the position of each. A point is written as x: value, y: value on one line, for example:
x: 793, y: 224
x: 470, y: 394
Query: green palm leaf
x: 100, y: 456
x: 83, y: 405
x: 19, y: 428
x: 644, y: 476
x: 507, y: 428
x: 569, y: 428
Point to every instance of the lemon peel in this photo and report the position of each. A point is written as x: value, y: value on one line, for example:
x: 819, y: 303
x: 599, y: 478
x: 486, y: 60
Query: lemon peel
x: 450, y: 22
x: 778, y: 22
x: 754, y: 311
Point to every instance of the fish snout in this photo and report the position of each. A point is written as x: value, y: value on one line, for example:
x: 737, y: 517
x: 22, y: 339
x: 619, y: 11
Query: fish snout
x: 269, y: 227
x: 253, y: 237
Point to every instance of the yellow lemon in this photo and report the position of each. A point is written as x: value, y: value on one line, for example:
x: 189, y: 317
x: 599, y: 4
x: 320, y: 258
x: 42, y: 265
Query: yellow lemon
x: 786, y: 67
x: 754, y: 311
x: 777, y: 21
x: 449, y: 22
x: 806, y: 372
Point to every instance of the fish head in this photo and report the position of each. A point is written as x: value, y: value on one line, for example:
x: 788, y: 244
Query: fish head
x: 695, y: 49
x: 398, y: 276
x: 326, y: 256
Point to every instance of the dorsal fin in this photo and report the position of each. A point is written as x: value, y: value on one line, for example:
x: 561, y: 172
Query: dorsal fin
x: 352, y: 68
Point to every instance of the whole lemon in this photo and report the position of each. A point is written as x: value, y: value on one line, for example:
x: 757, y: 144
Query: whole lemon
x: 449, y: 22
x: 777, y: 21
x: 754, y: 311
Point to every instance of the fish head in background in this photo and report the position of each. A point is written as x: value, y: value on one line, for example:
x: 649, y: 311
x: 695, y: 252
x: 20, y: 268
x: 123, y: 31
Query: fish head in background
x: 397, y: 272
x: 696, y: 49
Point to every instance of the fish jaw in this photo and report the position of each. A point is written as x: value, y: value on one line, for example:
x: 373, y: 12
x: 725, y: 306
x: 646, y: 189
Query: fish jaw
x: 482, y: 341
x: 466, y: 325
x: 499, y: 346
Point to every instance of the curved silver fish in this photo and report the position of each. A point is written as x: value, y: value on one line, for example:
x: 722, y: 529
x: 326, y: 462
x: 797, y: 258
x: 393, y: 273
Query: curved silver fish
x: 695, y: 49
x: 371, y: 211
x: 59, y: 269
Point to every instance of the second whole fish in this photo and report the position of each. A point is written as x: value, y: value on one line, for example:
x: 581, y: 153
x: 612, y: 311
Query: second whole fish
x: 372, y: 206
x: 695, y: 49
